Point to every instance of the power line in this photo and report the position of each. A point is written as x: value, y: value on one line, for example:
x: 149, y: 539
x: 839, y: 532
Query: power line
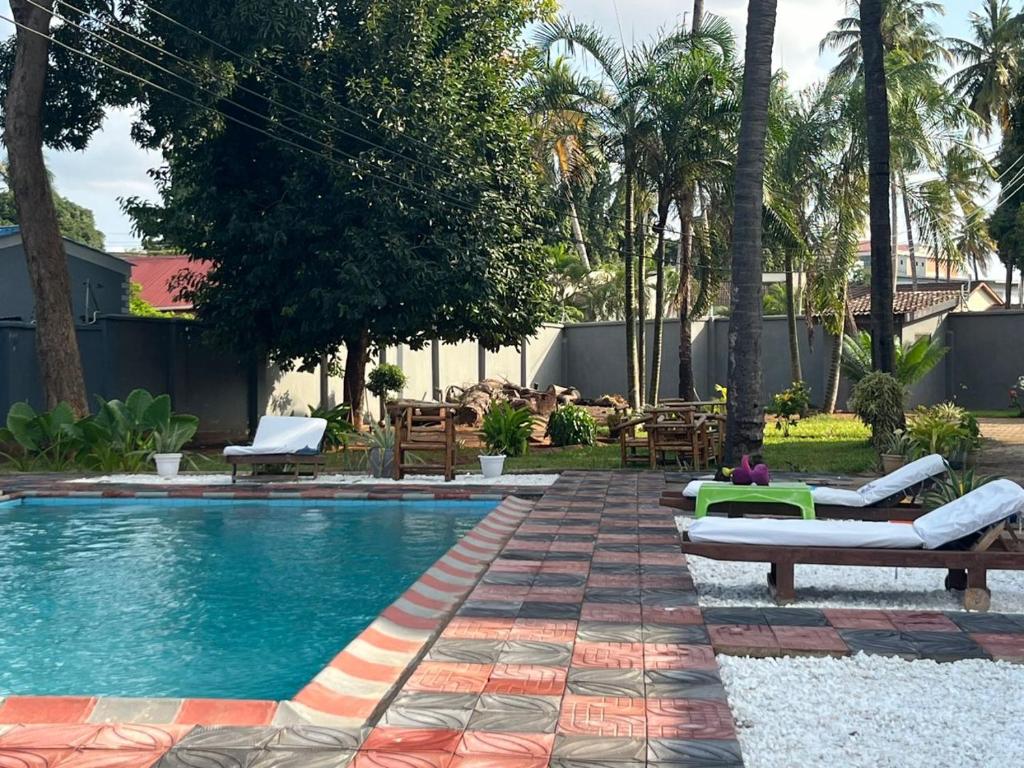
x: 352, y: 158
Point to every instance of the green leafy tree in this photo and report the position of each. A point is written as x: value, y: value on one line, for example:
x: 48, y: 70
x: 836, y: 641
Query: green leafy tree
x: 418, y: 214
x: 76, y: 222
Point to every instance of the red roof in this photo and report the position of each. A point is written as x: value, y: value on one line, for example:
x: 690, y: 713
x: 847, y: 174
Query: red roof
x: 154, y: 272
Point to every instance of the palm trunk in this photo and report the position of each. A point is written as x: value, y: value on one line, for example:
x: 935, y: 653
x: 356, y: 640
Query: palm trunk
x: 641, y: 308
x: 60, y: 365
x: 659, y: 305
x: 796, y: 374
x: 910, y: 233
x: 325, y: 381
x: 836, y: 356
x: 627, y: 258
x: 895, y: 237
x: 1009, y: 283
x: 357, y: 355
x: 745, y: 419
x: 686, y: 386
x: 877, y: 102
x: 698, y: 14
x: 577, y: 232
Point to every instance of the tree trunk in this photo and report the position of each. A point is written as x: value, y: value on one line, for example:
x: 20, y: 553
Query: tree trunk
x: 877, y: 102
x: 836, y: 357
x: 910, y: 233
x: 745, y: 419
x: 895, y: 235
x: 796, y: 374
x: 60, y: 366
x: 577, y: 232
x: 325, y: 381
x: 659, y: 304
x: 698, y: 14
x: 641, y: 305
x: 1009, y: 283
x: 687, y: 389
x: 627, y: 258
x: 357, y: 355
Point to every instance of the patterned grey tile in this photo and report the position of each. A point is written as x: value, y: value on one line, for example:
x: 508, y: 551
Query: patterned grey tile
x: 499, y: 609
x: 608, y: 632
x: 617, y: 683
x: 510, y: 702
x: 539, y: 610
x: 944, y: 646
x: 230, y: 737
x: 561, y: 762
x: 664, y: 597
x: 683, y: 684
x: 881, y: 642
x: 598, y: 749
x: 735, y: 616
x: 183, y: 757
x: 795, y: 617
x: 513, y: 722
x: 319, y: 737
x: 560, y: 580
x: 302, y: 758
x: 612, y: 595
x: 530, y: 652
x: 504, y: 578
x: 685, y: 634
x: 467, y: 651
x: 430, y: 710
x: 988, y: 623
x: 694, y: 753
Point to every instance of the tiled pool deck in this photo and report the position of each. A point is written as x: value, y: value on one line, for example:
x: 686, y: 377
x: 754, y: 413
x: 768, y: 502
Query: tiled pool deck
x: 560, y: 632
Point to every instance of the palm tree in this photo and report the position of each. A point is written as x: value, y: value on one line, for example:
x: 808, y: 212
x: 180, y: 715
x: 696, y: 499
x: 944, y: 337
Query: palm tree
x: 745, y: 418
x: 988, y: 80
x: 876, y: 102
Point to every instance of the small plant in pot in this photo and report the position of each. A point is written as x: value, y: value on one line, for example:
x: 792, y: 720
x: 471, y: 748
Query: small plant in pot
x: 380, y: 453
x: 168, y: 440
x: 895, y: 451
x: 506, y: 432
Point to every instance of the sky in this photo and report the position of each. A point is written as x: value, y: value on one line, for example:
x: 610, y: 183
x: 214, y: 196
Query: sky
x: 113, y: 167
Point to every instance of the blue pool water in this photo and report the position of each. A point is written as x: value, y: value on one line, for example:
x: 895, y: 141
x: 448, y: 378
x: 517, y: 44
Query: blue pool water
x: 202, y: 598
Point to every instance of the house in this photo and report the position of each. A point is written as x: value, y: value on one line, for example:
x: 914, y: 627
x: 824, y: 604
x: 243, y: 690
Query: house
x: 920, y: 310
x: 158, y: 275
x: 99, y: 281
x: 927, y: 266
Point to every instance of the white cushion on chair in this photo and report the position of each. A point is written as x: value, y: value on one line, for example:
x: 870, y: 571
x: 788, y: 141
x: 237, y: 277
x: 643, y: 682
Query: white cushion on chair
x: 840, y: 497
x: 804, y: 533
x: 283, y: 434
x: 903, y: 479
x: 693, y: 487
x: 972, y: 512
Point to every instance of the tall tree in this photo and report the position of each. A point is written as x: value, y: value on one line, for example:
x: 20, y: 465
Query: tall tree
x: 876, y: 102
x: 745, y: 419
x: 76, y: 222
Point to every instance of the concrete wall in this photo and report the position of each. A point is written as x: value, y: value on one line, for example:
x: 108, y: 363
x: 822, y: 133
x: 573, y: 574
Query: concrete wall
x: 986, y: 357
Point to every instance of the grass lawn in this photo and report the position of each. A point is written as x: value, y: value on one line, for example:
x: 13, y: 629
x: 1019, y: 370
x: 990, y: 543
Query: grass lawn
x: 820, y: 444
x: 997, y: 413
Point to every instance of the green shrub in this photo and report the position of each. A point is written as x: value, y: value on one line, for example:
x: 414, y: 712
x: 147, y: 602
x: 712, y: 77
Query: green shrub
x: 506, y: 430
x: 952, y: 486
x: 877, y: 400
x: 339, y: 428
x: 47, y: 440
x: 789, y: 405
x: 945, y: 429
x: 571, y: 425
x: 385, y: 378
x: 912, y: 362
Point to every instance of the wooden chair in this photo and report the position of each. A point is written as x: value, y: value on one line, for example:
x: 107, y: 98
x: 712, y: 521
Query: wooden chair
x: 633, y: 449
x: 682, y: 431
x: 428, y: 427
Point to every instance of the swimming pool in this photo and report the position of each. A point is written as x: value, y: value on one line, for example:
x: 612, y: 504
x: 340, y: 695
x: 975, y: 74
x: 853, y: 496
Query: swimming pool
x: 198, y: 597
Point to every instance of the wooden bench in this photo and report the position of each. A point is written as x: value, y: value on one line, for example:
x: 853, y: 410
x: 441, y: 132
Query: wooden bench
x: 424, y: 427
x: 297, y: 461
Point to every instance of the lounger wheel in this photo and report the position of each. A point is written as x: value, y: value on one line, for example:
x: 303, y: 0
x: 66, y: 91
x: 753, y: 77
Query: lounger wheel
x: 977, y: 599
x: 956, y: 579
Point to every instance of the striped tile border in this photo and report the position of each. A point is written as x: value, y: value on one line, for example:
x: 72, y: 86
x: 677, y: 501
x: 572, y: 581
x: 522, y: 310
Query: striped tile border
x: 348, y: 692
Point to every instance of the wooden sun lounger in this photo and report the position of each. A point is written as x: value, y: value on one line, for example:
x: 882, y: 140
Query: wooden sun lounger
x: 297, y: 461
x: 906, y: 512
x: 997, y: 549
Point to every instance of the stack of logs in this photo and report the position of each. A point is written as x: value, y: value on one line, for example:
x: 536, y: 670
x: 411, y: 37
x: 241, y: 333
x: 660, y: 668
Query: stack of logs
x: 474, y: 401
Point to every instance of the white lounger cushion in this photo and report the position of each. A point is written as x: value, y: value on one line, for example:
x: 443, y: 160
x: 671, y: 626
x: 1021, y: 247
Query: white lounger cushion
x: 982, y: 507
x: 283, y: 434
x: 903, y: 478
x: 804, y: 533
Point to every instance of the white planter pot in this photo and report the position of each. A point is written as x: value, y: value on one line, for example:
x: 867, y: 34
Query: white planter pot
x: 492, y: 466
x: 167, y: 464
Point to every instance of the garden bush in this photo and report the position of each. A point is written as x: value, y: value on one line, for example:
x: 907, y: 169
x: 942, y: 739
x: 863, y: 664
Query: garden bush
x: 385, y: 378
x: 945, y: 429
x: 877, y: 400
x: 506, y: 430
x: 789, y: 405
x: 572, y: 425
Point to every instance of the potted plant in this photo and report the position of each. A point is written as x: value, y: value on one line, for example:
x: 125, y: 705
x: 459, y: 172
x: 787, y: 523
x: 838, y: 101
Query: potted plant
x: 945, y: 429
x: 383, y: 379
x: 380, y: 453
x: 506, y: 432
x: 877, y: 400
x: 895, y: 451
x: 168, y: 439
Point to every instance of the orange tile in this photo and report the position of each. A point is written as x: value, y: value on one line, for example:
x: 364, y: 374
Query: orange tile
x: 32, y: 758
x: 526, y: 679
x: 449, y: 677
x: 111, y: 758
x: 497, y: 761
x: 391, y: 739
x: 608, y: 655
x: 473, y: 628
x: 677, y: 656
x: 499, y: 744
x: 137, y: 736
x: 226, y: 712
x: 49, y: 736
x: 46, y: 709
x: 543, y: 630
x: 384, y: 759
x: 323, y: 699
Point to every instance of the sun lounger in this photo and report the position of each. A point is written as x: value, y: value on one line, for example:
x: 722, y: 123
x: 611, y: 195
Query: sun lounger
x: 881, y: 499
x: 968, y: 537
x: 281, y: 441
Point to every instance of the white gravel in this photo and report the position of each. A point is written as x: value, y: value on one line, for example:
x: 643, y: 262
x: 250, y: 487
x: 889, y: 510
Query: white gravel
x: 225, y: 479
x: 876, y: 712
x: 724, y: 583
